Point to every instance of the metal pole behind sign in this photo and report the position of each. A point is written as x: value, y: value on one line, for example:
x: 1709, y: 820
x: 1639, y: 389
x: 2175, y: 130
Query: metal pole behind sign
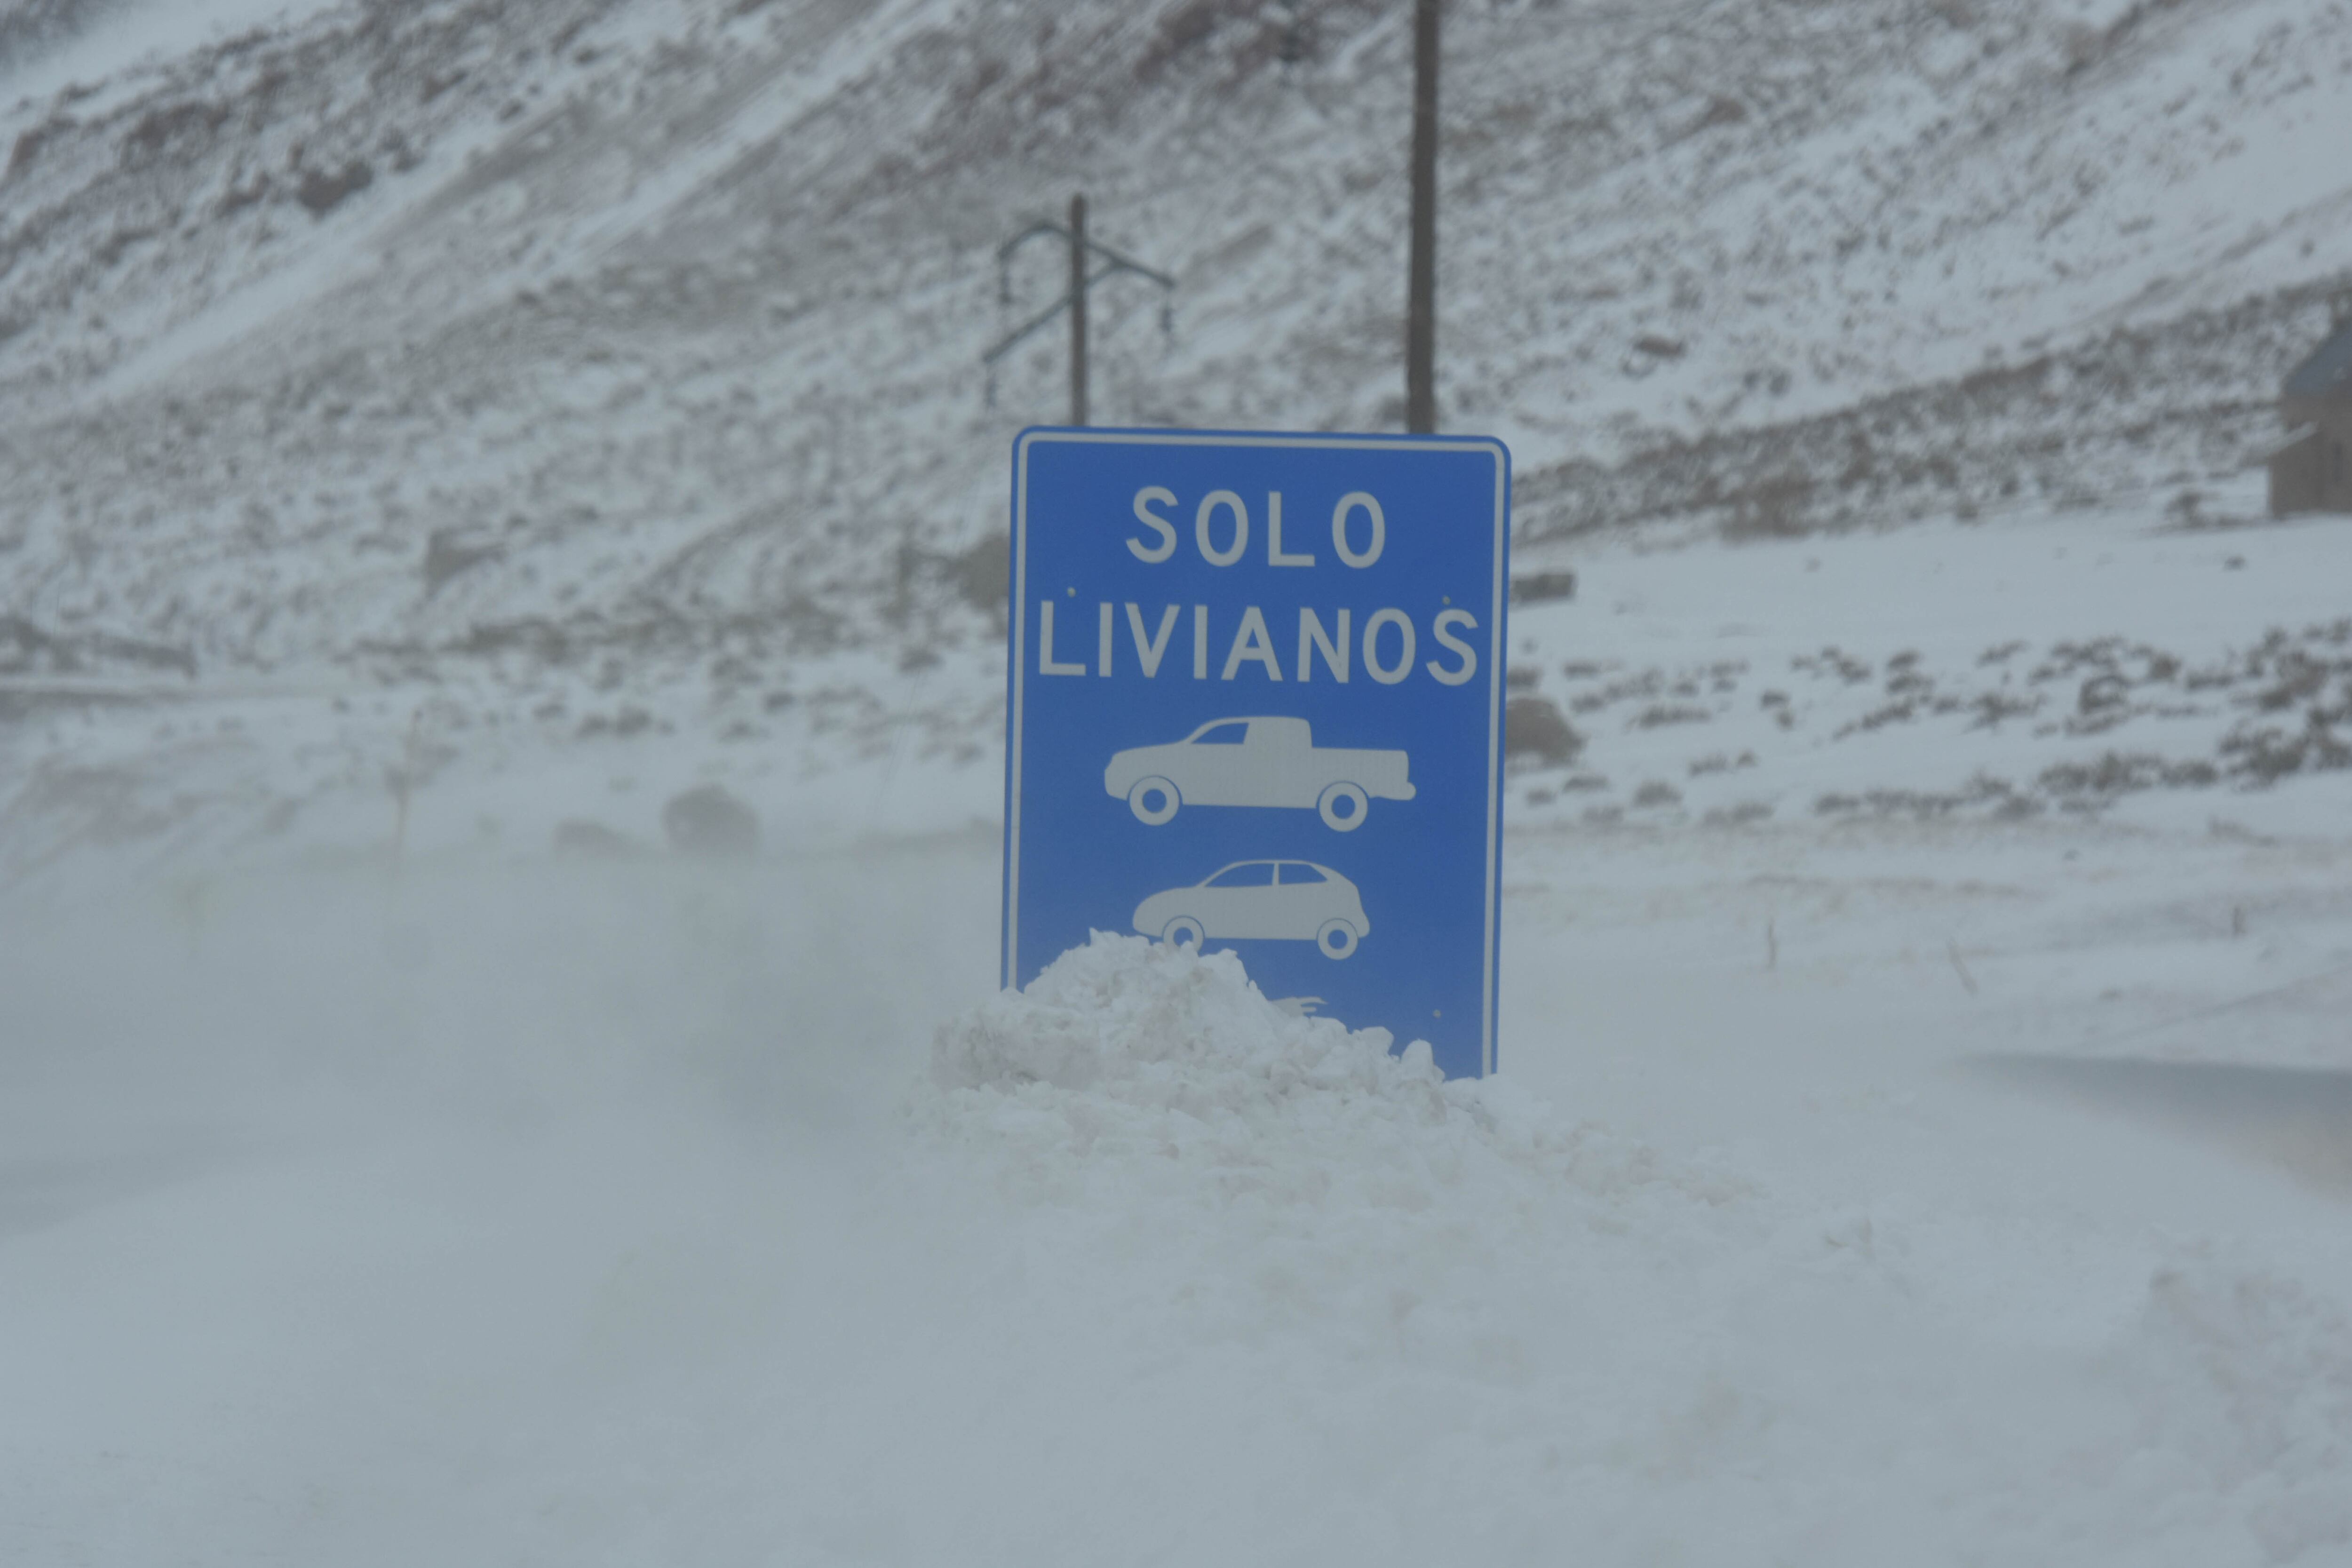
x: 1420, y: 309
x: 1078, y: 309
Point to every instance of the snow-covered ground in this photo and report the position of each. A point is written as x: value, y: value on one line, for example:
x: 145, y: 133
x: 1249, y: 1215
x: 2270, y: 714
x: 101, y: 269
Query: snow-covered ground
x: 1923, y: 1182
x: 601, y: 1215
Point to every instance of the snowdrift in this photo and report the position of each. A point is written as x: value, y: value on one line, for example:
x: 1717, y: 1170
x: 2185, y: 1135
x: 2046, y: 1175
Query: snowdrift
x: 1146, y: 1021
x: 1126, y: 1052
x: 1448, y: 1320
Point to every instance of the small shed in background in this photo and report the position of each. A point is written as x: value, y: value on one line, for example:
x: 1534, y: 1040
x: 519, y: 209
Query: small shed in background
x: 2312, y: 472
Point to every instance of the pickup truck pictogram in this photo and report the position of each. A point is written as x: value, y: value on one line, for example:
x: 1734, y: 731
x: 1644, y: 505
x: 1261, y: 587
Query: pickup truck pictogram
x: 1257, y: 761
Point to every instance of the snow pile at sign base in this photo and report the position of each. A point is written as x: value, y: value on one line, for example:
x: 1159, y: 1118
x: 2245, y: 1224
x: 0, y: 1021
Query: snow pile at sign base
x: 1202, y: 1164
x: 1163, y: 1025
x: 1161, y: 1050
x: 1161, y: 1103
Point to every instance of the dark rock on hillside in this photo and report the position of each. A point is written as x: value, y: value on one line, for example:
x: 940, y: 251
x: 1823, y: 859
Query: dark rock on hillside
x: 1533, y: 728
x: 31, y: 29
x: 321, y: 192
x: 450, y: 551
x: 27, y: 648
x: 1542, y: 588
x: 709, y: 823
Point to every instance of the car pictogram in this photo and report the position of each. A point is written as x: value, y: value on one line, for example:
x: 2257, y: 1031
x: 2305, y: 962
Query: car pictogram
x: 1261, y: 900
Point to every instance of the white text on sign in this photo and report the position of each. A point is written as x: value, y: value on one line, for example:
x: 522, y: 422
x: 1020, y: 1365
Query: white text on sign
x: 1389, y: 644
x: 1225, y: 512
x: 1386, y: 638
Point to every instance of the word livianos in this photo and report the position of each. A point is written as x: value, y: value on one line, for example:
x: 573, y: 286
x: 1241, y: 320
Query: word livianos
x: 1386, y: 636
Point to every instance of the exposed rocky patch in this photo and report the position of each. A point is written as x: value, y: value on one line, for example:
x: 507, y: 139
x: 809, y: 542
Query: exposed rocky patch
x: 2141, y: 412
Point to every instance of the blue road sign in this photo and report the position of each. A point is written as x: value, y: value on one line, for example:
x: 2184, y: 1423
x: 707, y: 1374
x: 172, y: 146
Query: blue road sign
x: 1257, y: 701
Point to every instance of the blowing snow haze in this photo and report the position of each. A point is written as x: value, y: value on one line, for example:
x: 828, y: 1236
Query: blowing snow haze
x: 502, y: 614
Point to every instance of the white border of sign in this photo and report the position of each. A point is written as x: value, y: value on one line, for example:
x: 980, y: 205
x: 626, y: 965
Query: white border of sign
x: 1497, y: 649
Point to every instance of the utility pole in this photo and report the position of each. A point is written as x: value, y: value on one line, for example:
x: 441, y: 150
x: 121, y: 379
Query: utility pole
x: 1085, y: 273
x: 1078, y: 310
x: 1421, y: 305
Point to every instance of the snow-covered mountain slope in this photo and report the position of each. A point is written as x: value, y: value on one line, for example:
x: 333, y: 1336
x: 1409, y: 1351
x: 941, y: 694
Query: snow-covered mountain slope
x: 592, y: 369
x: 674, y: 310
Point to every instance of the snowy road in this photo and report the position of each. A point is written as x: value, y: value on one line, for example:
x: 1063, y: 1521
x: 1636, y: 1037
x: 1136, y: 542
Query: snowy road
x: 605, y: 1213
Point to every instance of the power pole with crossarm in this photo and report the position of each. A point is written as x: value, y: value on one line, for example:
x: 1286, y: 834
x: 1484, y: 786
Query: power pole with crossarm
x: 1083, y: 276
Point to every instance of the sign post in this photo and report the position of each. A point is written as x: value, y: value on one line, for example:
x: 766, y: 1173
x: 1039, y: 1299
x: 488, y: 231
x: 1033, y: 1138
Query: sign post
x: 1255, y: 701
